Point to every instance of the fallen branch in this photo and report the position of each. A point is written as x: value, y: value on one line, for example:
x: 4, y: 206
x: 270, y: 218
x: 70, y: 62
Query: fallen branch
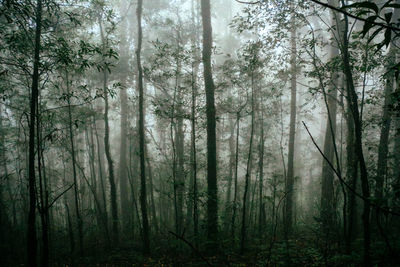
x: 192, y: 247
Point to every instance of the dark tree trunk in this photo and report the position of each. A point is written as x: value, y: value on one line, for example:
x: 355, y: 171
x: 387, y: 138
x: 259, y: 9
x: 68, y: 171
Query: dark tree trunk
x: 101, y: 190
x: 32, y: 239
x: 352, y: 174
x: 290, y: 170
x: 396, y: 162
x: 353, y: 103
x: 212, y: 188
x: 261, y: 210
x: 123, y: 167
x: 327, y: 188
x: 111, y: 178
x: 73, y: 156
x: 248, y: 173
x: 383, y: 147
x: 235, y: 185
x: 228, y: 202
x: 143, y: 193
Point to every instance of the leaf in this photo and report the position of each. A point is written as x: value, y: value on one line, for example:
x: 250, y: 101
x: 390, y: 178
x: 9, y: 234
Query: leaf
x: 386, y: 4
x: 364, y: 4
x: 375, y: 33
x: 368, y: 25
x: 388, y: 17
x: 388, y: 37
x: 394, y: 5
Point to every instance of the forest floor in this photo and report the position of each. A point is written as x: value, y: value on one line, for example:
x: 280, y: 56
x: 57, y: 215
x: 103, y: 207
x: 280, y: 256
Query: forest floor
x: 177, y: 253
x: 306, y: 249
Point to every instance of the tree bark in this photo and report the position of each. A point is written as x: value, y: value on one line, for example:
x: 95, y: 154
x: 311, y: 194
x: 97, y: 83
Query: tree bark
x: 123, y: 167
x: 386, y: 122
x: 353, y: 102
x: 235, y: 185
x: 290, y: 170
x: 261, y: 218
x: 73, y: 156
x: 32, y: 239
x: 143, y: 193
x: 111, y: 178
x: 212, y: 188
x: 327, y: 188
x: 248, y: 173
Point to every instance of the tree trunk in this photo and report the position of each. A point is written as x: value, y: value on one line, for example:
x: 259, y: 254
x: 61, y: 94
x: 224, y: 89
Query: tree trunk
x: 235, y: 185
x: 101, y: 190
x: 123, y: 167
x: 327, y: 189
x: 353, y: 102
x: 228, y: 204
x: 73, y: 156
x: 290, y: 170
x: 151, y: 189
x: 248, y: 173
x: 192, y: 207
x: 212, y: 188
x: 386, y: 122
x: 43, y: 193
x: 32, y: 239
x: 111, y: 179
x: 261, y: 219
x: 143, y: 193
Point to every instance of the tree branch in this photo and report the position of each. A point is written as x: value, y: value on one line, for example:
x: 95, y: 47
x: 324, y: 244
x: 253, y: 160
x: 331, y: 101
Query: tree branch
x: 341, y: 178
x: 340, y: 10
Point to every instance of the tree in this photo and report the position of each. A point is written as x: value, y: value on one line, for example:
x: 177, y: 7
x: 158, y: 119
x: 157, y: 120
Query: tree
x: 32, y: 241
x: 290, y: 169
x: 327, y: 187
x: 123, y: 164
x: 212, y: 188
x: 143, y: 194
x: 111, y: 178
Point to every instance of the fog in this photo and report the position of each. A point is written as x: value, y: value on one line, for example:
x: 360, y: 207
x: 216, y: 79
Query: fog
x: 198, y: 132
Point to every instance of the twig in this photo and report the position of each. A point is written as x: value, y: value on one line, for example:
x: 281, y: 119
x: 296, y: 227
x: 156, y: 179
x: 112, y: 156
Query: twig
x: 192, y: 247
x: 62, y: 193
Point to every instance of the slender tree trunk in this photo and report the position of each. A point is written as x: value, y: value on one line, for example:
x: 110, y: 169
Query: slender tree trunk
x: 353, y: 101
x: 43, y: 193
x: 235, y: 193
x: 111, y: 178
x: 261, y: 219
x: 102, y: 190
x: 179, y: 137
x: 72, y: 143
x: 352, y: 174
x: 143, y: 197
x: 194, y: 164
x: 212, y: 188
x: 383, y: 147
x: 327, y: 189
x: 248, y: 173
x: 151, y: 189
x: 396, y: 162
x: 32, y: 239
x: 290, y: 170
x: 228, y: 204
x: 192, y: 207
x: 4, y: 175
x: 123, y: 167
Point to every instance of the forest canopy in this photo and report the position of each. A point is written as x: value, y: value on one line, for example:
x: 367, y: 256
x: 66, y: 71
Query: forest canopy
x: 199, y: 133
